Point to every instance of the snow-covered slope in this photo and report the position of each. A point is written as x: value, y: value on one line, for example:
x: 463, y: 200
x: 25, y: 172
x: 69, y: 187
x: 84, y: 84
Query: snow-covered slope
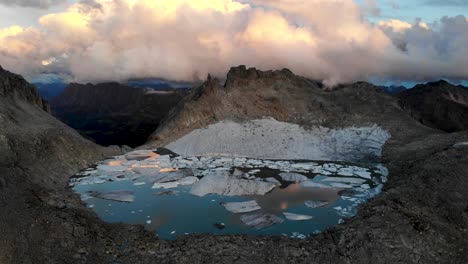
x: 271, y: 139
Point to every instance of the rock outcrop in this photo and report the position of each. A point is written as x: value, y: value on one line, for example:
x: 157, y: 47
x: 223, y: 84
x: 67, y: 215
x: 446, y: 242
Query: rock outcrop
x: 439, y: 105
x: 41, y: 221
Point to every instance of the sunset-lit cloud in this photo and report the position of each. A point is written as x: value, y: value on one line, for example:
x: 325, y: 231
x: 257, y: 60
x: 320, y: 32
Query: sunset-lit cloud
x: 97, y: 40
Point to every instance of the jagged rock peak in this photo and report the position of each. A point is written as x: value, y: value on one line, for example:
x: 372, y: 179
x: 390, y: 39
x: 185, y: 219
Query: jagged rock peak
x: 15, y: 87
x: 439, y: 82
x: 241, y: 73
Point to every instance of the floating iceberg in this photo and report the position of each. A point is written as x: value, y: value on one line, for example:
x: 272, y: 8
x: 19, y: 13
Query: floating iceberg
x: 312, y: 184
x: 119, y: 196
x: 273, y: 180
x: 260, y: 220
x: 166, y: 185
x: 297, y: 217
x: 223, y: 183
x: 315, y: 204
x: 242, y: 207
x: 293, y: 177
x: 355, y: 181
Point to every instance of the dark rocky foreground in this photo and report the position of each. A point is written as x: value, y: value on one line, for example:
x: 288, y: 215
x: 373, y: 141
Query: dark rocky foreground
x: 421, y: 216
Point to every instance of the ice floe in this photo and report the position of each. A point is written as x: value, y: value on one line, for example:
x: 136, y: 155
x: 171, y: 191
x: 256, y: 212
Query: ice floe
x: 242, y: 207
x: 260, y: 220
x: 297, y: 217
x: 223, y: 183
x: 293, y: 177
x: 315, y: 204
x: 313, y: 184
x: 119, y: 196
x: 352, y: 181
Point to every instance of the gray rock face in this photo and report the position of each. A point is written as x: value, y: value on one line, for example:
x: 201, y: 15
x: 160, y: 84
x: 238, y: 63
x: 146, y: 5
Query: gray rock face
x: 439, y: 105
x: 14, y: 88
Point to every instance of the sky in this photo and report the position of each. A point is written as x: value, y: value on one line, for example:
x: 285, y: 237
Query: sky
x: 335, y: 41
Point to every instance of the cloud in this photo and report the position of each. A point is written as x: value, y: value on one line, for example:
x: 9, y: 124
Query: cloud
x: 96, y: 40
x: 32, y: 3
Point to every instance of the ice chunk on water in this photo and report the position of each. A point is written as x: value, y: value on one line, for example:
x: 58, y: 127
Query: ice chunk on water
x: 293, y: 177
x: 273, y: 180
x: 165, y: 185
x: 242, y: 207
x: 260, y: 220
x: 119, y: 196
x: 346, y: 171
x: 297, y: 217
x: 223, y: 183
x: 188, y: 180
x: 363, y: 174
x: 341, y: 185
x: 304, y: 166
x: 110, y: 168
x: 312, y: 184
x: 355, y: 181
x: 315, y: 204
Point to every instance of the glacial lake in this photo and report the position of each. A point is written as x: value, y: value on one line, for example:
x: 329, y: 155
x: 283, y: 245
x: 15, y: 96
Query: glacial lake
x: 176, y: 196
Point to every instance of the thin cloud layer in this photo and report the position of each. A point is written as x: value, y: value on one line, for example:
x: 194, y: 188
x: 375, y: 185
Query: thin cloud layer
x: 97, y: 40
x: 32, y: 3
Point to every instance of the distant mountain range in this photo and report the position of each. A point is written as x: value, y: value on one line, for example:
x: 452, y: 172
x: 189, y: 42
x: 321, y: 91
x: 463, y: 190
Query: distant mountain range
x: 113, y: 113
x: 53, y: 88
x: 50, y: 90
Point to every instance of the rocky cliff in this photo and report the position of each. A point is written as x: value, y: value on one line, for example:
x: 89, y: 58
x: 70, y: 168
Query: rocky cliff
x: 112, y: 113
x: 41, y: 221
x: 439, y: 105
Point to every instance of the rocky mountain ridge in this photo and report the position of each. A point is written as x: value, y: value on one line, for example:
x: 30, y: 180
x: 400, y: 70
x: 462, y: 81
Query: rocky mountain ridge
x: 252, y: 94
x: 439, y: 105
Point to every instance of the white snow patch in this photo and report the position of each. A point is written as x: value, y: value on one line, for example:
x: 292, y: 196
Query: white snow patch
x: 271, y: 139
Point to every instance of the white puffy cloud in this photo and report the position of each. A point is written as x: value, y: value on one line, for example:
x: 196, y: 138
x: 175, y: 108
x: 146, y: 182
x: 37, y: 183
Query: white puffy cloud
x: 327, y: 40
